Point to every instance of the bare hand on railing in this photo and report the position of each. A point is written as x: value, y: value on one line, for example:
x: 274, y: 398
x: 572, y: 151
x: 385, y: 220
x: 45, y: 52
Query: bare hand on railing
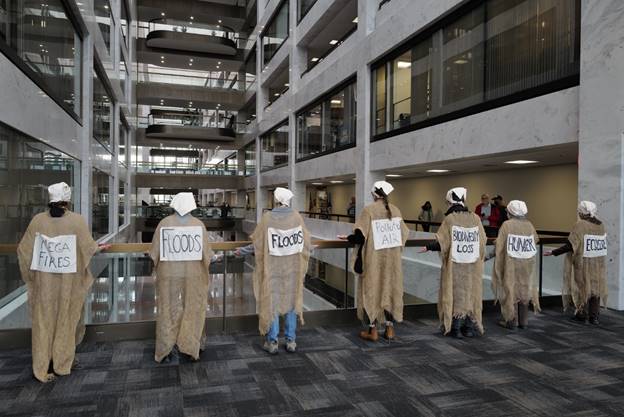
x: 422, y: 250
x: 237, y: 252
x: 104, y: 246
x: 342, y: 237
x: 548, y: 253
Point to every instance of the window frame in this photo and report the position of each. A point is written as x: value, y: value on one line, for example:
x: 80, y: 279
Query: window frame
x: 266, y: 27
x: 262, y: 136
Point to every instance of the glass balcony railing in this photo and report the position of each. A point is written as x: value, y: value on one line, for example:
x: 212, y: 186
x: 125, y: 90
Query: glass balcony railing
x: 124, y: 289
x: 226, y: 81
x: 185, y: 168
x: 193, y: 119
x: 202, y: 212
x: 192, y: 27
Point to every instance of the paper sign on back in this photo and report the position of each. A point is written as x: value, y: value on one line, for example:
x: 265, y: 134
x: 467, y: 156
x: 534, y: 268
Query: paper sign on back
x: 594, y: 246
x: 54, y: 254
x: 387, y: 233
x: 465, y: 244
x: 181, y: 243
x: 521, y: 247
x: 285, y: 242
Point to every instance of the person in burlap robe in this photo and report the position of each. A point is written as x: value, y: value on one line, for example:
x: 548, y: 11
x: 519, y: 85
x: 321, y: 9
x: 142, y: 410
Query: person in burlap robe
x: 181, y: 288
x: 461, y: 287
x: 514, y: 279
x: 56, y: 300
x: 379, y: 295
x: 282, y: 245
x: 585, y: 269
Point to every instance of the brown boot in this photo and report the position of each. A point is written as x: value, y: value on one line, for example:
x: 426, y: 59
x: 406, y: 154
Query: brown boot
x: 594, y: 310
x: 370, y: 334
x: 523, y: 315
x: 389, y: 333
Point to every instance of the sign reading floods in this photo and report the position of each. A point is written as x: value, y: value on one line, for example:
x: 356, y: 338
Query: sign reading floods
x: 181, y: 243
x: 285, y: 242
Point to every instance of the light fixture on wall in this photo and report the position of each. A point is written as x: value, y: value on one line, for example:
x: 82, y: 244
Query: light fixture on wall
x: 437, y: 171
x: 521, y: 162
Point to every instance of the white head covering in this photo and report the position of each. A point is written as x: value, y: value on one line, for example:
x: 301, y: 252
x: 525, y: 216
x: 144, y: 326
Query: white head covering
x: 283, y: 196
x: 517, y: 208
x: 386, y: 187
x: 59, y: 192
x: 183, y: 203
x: 588, y: 208
x: 457, y: 195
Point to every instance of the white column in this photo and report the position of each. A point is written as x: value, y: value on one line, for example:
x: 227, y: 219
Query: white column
x: 601, y: 127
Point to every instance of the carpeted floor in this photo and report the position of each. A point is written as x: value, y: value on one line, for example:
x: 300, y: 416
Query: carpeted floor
x: 555, y: 368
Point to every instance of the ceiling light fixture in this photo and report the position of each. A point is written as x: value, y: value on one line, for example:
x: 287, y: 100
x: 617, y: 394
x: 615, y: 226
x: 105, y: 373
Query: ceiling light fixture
x: 333, y: 42
x: 404, y: 64
x: 521, y: 162
x: 437, y: 171
x: 393, y: 175
x: 460, y: 61
x: 336, y: 102
x: 162, y: 13
x: 336, y: 182
x: 315, y: 59
x: 355, y: 20
x: 192, y: 18
x: 317, y: 183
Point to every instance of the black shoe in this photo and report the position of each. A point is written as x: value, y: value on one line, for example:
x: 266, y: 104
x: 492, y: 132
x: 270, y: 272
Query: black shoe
x: 594, y: 321
x: 456, y: 329
x: 579, y: 318
x: 509, y: 325
x: 468, y: 328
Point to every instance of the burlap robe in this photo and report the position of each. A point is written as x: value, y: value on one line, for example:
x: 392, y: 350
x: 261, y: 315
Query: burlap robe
x: 181, y: 294
x: 583, y: 277
x: 56, y: 301
x: 461, y: 287
x: 381, y: 282
x: 278, y: 280
x: 514, y: 280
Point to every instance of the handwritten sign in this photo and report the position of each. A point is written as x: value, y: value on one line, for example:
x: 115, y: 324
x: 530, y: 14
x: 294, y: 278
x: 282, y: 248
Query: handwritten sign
x: 181, y: 243
x: 387, y: 233
x: 54, y: 254
x: 285, y: 242
x: 465, y: 244
x: 594, y: 246
x: 521, y: 247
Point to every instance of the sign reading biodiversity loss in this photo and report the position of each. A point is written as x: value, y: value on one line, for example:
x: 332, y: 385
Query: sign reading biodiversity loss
x: 387, y: 233
x: 464, y: 244
x: 594, y: 246
x: 183, y: 243
x: 285, y: 242
x: 54, y: 254
x: 521, y: 246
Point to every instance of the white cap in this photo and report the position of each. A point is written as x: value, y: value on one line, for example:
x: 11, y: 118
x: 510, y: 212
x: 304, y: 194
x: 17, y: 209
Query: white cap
x: 588, y: 208
x: 384, y: 186
x: 59, y: 192
x: 457, y: 195
x: 517, y: 208
x: 283, y: 196
x: 183, y: 203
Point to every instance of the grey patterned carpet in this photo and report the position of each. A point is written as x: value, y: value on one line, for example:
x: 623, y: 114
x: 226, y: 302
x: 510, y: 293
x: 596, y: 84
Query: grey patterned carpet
x: 555, y: 368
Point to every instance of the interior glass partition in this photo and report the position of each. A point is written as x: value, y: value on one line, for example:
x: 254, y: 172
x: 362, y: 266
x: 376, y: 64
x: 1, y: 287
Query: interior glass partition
x: 276, y: 32
x: 102, y: 111
x: 104, y: 19
x: 274, y: 144
x: 100, y: 203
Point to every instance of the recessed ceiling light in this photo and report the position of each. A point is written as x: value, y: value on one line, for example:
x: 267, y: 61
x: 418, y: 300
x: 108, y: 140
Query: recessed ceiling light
x: 191, y: 59
x: 286, y: 85
x: 393, y: 175
x: 460, y: 61
x: 162, y: 62
x: 317, y: 183
x: 355, y: 20
x: 162, y: 13
x: 219, y: 63
x: 219, y: 20
x: 162, y: 57
x: 315, y: 59
x: 190, y: 64
x: 437, y: 171
x: 336, y: 182
x: 333, y: 42
x: 336, y: 102
x: 521, y: 162
x: 192, y: 18
x: 276, y: 94
x: 404, y: 64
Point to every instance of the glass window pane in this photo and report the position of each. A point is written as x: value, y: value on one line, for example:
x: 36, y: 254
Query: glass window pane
x: 462, y: 58
x: 104, y: 20
x: 422, y: 80
x: 276, y: 33
x: 121, y: 203
x: 274, y: 148
x: 123, y: 70
x: 250, y: 159
x: 100, y: 203
x: 102, y: 112
x: 530, y: 42
x: 303, y: 6
x: 380, y: 99
x: 43, y: 37
x: 125, y: 22
x: 402, y: 89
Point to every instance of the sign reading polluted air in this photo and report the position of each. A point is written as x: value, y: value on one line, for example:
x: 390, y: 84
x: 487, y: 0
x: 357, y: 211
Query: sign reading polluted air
x: 54, y: 254
x: 521, y: 247
x: 594, y: 246
x: 285, y: 242
x: 387, y: 233
x: 181, y: 243
x: 464, y: 244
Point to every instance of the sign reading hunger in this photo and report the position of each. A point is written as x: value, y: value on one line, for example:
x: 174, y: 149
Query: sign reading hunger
x: 285, y: 242
x: 594, y: 246
x: 181, y: 243
x: 464, y: 244
x: 54, y: 254
x: 521, y: 247
x: 387, y: 233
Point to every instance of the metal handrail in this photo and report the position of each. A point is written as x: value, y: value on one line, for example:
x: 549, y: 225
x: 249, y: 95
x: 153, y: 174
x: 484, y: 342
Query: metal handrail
x: 219, y: 30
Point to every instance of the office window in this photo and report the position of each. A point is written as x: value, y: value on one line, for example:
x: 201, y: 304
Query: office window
x: 491, y: 50
x: 104, y: 19
x: 303, y: 7
x: 329, y: 124
x: 275, y: 33
x: 123, y: 70
x: 100, y: 198
x: 123, y: 141
x: 274, y: 151
x: 122, y: 203
x: 102, y: 111
x: 53, y: 62
x: 124, y: 21
x: 250, y: 159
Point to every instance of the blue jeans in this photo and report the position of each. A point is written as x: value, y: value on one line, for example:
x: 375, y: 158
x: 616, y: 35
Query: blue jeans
x: 290, y: 326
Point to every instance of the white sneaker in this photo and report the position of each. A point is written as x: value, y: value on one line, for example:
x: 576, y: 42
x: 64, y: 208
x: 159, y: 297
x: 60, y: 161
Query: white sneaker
x: 291, y: 346
x: 270, y: 347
